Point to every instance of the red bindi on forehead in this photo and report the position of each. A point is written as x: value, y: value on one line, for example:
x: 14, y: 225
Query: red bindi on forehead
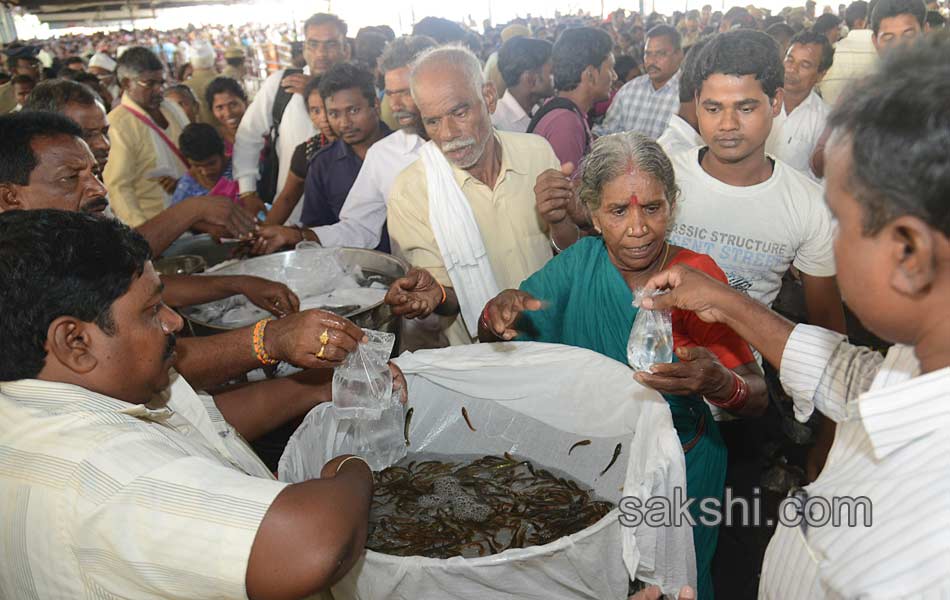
x: 634, y: 201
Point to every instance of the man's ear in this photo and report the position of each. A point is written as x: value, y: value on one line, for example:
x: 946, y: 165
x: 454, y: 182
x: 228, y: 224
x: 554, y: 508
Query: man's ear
x: 490, y: 94
x: 777, y: 102
x: 10, y: 197
x: 70, y: 341
x: 913, y: 253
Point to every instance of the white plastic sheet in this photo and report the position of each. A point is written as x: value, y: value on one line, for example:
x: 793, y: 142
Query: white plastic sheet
x: 533, y: 400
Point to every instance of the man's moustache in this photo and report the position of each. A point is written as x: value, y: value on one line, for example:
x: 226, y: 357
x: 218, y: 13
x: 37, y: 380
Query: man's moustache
x: 95, y: 205
x: 170, y: 344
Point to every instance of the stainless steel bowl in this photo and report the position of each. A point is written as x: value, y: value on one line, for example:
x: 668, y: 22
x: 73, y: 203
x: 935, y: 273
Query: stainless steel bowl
x: 378, y: 316
x: 184, y: 264
x: 202, y: 245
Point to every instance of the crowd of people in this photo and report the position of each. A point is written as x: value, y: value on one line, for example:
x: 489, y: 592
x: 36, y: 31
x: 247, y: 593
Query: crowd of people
x: 535, y: 177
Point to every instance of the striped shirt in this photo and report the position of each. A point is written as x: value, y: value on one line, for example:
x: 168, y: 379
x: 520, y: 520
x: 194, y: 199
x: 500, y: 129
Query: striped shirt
x: 891, y: 447
x: 104, y: 499
x: 640, y: 108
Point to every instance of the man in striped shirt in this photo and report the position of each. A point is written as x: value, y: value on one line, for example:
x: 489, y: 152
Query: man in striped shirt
x: 893, y: 252
x: 117, y: 480
x: 646, y: 104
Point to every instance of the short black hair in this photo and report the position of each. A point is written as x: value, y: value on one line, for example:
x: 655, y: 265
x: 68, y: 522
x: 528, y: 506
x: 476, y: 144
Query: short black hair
x: 71, y: 60
x: 826, y: 23
x: 856, y: 11
x: 743, y: 52
x: 402, y: 51
x: 323, y: 19
x: 4, y: 77
x: 814, y: 37
x: 56, y: 263
x: 624, y: 63
x: 235, y: 61
x: 200, y: 141
x: 137, y: 60
x: 521, y: 55
x: 345, y: 76
x: 22, y: 79
x: 312, y: 86
x: 54, y: 94
x: 441, y: 30
x: 885, y: 9
x: 935, y: 20
x: 575, y: 50
x: 183, y: 90
x: 688, y: 83
x: 898, y: 124
x: 17, y: 132
x: 780, y: 31
x: 667, y: 32
x: 223, y: 85
x: 370, y: 45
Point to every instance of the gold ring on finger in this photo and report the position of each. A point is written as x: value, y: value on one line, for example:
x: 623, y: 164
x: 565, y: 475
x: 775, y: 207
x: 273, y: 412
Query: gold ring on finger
x: 322, y: 349
x: 325, y: 337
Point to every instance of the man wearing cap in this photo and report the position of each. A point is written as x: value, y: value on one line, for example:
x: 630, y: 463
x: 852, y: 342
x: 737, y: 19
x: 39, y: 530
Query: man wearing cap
x: 103, y: 66
x: 234, y: 56
x: 21, y: 60
x: 202, y: 59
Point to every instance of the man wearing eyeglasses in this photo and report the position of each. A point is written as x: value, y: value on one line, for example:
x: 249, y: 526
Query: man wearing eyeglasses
x: 646, y: 104
x: 325, y: 46
x: 144, y: 162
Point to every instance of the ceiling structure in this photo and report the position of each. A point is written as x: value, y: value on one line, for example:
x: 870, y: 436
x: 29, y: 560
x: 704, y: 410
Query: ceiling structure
x: 65, y: 13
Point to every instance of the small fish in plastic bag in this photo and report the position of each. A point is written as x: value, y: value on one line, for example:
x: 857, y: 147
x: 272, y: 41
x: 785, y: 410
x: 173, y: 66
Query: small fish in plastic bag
x: 651, y: 337
x: 364, y: 380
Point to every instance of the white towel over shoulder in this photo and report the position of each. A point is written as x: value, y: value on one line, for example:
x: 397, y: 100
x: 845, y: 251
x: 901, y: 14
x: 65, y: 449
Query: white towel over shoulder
x: 459, y: 239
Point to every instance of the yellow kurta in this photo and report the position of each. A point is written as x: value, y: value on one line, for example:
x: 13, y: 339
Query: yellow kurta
x: 507, y: 218
x: 137, y: 150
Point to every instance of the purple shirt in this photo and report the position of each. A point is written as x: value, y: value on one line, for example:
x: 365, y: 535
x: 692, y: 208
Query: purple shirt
x: 567, y: 133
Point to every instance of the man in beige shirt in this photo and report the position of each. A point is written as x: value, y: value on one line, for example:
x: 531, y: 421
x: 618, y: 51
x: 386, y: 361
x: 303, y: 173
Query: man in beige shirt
x: 495, y: 172
x: 855, y: 55
x: 204, y: 73
x: 144, y: 162
x: 118, y: 480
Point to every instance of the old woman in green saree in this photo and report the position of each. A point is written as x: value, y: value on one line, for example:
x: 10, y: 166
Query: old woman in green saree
x: 584, y: 297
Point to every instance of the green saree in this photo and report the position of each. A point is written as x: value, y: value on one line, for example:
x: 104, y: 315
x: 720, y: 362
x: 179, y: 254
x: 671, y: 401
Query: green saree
x: 589, y: 305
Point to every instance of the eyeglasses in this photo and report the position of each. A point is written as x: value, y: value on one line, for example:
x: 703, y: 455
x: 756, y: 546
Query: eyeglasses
x: 155, y: 84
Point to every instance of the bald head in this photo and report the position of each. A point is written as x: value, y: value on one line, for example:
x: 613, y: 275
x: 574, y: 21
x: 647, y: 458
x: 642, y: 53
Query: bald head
x: 454, y: 102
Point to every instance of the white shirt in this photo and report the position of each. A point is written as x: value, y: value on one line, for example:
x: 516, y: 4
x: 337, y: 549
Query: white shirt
x: 679, y: 136
x: 104, y: 499
x: 855, y: 57
x: 754, y: 233
x: 794, y: 136
x: 295, y: 129
x: 890, y: 447
x: 364, y: 212
x: 509, y: 115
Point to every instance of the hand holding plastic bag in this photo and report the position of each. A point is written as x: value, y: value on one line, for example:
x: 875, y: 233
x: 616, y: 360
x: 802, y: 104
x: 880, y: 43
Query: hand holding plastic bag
x: 651, y: 337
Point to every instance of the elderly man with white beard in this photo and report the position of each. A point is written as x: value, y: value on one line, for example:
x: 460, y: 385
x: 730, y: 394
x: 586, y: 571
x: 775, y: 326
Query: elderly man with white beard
x: 464, y: 214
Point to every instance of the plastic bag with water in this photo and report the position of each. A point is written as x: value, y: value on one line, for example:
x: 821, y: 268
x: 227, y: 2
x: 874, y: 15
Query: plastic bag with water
x: 364, y: 380
x: 651, y: 337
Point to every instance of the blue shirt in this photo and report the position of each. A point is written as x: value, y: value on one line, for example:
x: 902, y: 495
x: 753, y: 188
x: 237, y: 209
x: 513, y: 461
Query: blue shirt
x: 188, y: 186
x: 329, y: 178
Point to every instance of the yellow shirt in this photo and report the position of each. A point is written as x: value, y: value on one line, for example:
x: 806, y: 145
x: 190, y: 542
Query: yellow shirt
x: 7, y: 98
x: 136, y: 151
x: 511, y: 227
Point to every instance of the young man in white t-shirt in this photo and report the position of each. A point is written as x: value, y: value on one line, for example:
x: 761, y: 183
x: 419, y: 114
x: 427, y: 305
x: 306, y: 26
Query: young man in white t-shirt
x: 756, y: 217
x: 753, y: 214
